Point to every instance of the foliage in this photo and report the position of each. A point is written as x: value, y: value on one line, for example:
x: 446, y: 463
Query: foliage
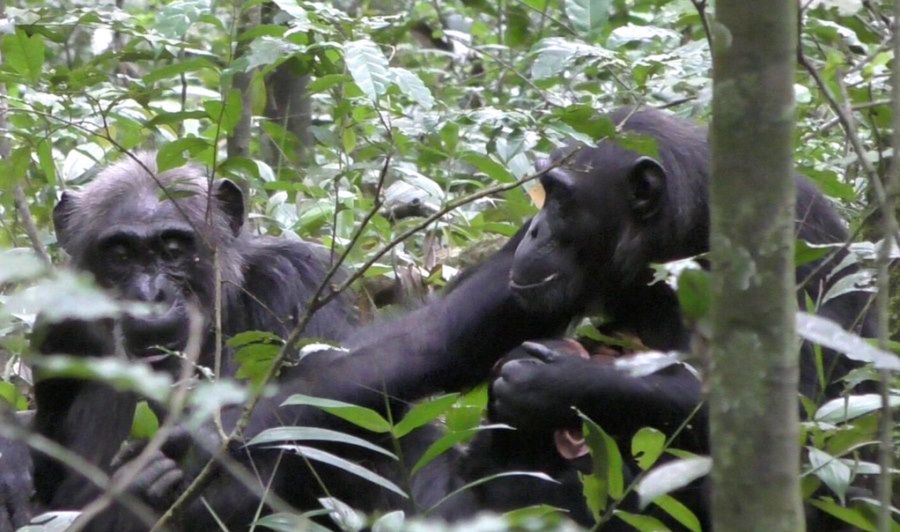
x: 462, y: 95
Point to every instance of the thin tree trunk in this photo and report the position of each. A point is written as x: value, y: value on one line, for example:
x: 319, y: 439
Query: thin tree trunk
x: 754, y: 419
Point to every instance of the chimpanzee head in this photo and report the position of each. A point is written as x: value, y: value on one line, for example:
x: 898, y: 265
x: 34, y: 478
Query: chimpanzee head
x: 149, y: 236
x: 609, y: 212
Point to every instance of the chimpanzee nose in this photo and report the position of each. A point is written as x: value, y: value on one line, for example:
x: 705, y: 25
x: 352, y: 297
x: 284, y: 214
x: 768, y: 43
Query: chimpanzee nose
x: 149, y: 288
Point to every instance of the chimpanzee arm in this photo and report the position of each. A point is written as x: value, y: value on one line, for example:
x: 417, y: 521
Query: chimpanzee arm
x: 539, y: 393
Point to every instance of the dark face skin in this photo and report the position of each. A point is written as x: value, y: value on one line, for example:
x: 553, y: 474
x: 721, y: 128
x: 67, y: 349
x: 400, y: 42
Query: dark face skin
x: 149, y: 254
x: 595, y: 200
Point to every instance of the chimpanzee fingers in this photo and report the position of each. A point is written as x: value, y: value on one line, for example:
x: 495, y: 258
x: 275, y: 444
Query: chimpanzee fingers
x: 127, y: 453
x: 540, y: 351
x: 516, y: 371
x: 165, y: 486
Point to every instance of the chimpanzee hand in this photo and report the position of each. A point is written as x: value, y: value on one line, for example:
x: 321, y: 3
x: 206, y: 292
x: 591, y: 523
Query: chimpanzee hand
x: 537, y: 392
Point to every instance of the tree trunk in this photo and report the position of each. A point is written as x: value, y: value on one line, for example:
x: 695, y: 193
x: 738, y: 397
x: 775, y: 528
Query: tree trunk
x: 754, y: 418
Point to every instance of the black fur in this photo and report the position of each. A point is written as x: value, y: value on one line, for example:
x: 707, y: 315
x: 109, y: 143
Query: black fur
x: 148, y: 245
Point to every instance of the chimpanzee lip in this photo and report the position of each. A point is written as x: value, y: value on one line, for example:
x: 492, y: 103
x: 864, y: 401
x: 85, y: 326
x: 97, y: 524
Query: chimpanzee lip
x: 528, y: 286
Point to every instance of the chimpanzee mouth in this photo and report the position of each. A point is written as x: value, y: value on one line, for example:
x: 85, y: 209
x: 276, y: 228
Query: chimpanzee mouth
x: 531, y: 286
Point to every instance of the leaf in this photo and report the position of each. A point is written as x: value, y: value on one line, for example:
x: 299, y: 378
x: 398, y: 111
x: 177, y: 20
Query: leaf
x: 51, y: 522
x: 647, y: 446
x: 389, y: 522
x: 19, y: 265
x: 411, y: 85
x: 605, y: 480
x: 587, y: 16
x: 170, y: 70
x: 804, y: 252
x: 45, y: 157
x: 449, y: 440
x: 694, y: 293
x: 679, y: 512
x: 171, y: 155
x: 852, y: 516
x: 644, y: 523
x: 834, y: 473
x: 368, y: 67
x: 671, y: 476
x: 829, y: 334
x: 358, y: 415
x: 145, y: 424
x: 532, y: 474
x: 288, y: 522
x: 492, y: 168
x: 123, y: 375
x: 280, y: 434
x: 340, y: 463
x: 24, y: 54
x: 345, y: 517
x: 228, y: 115
x: 843, y: 409
x: 423, y: 413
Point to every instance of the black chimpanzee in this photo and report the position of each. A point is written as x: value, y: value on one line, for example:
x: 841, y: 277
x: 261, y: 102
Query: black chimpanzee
x: 149, y: 236
x: 608, y: 214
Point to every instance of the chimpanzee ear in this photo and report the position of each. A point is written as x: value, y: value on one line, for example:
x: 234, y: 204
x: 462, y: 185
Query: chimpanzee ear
x: 62, y: 214
x: 647, y: 182
x: 231, y: 200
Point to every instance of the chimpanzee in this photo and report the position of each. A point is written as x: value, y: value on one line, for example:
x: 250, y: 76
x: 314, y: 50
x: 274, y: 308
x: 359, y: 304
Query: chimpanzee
x: 149, y: 236
x: 608, y: 214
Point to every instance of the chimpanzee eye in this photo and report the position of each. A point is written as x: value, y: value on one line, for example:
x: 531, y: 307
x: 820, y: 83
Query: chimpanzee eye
x: 119, y: 253
x: 173, y: 248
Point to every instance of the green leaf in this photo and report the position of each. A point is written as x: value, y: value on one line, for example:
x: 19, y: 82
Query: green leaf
x: 671, y: 476
x: 45, y: 158
x: 829, y: 334
x: 606, y: 478
x: 340, y: 463
x: 482, y: 480
x: 226, y: 116
x: 638, y: 143
x: 358, y: 415
x: 492, y: 168
x: 644, y: 523
x: 804, y: 252
x: 171, y: 155
x: 368, y: 67
x: 281, y: 434
x: 178, y: 67
x: 852, y: 516
x: 647, y: 446
x: 587, y: 16
x: 24, y: 54
x: 449, y: 440
x: 517, y: 22
x: 145, y: 424
x: 694, y: 293
x: 423, y: 413
x: 410, y: 85
x: 679, y: 512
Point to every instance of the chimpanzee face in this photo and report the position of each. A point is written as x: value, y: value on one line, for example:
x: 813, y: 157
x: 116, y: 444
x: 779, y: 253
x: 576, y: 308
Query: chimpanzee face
x: 597, y: 200
x: 149, y: 248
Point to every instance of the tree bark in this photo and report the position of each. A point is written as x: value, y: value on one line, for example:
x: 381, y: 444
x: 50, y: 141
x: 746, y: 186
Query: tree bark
x: 754, y: 418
